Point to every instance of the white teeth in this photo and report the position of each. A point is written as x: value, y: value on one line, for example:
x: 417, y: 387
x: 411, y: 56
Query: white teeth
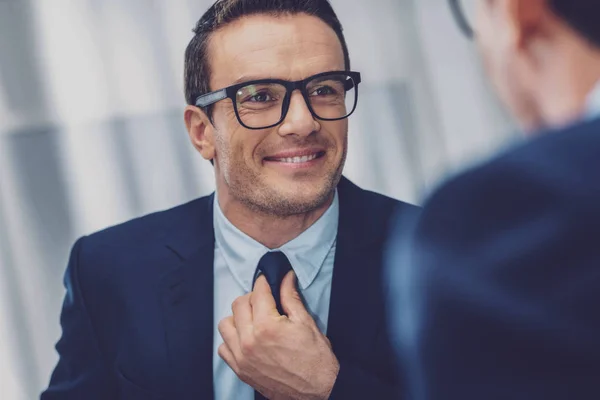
x: 297, y: 160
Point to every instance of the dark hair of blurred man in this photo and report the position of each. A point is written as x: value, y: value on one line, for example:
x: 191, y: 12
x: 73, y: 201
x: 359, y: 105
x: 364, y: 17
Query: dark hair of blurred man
x: 497, y: 283
x: 271, y: 284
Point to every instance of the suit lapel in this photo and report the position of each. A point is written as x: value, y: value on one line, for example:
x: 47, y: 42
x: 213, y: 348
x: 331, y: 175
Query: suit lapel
x: 186, y: 292
x: 356, y: 309
x: 187, y: 295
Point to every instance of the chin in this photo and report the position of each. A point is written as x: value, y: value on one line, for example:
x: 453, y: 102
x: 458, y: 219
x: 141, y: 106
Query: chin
x: 304, y: 192
x: 286, y: 199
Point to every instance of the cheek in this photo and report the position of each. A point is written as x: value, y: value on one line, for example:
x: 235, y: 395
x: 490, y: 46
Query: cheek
x: 494, y: 58
x: 247, y: 146
x: 341, y: 138
x: 489, y: 41
x: 509, y: 83
x: 336, y: 132
x: 230, y: 135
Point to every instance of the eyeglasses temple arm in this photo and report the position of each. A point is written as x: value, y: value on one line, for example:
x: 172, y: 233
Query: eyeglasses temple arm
x: 211, y: 98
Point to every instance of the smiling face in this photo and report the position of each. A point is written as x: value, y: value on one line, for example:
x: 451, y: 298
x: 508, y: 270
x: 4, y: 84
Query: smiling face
x: 294, y: 167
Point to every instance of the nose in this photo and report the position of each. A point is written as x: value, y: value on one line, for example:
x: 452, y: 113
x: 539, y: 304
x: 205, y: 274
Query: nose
x: 299, y: 120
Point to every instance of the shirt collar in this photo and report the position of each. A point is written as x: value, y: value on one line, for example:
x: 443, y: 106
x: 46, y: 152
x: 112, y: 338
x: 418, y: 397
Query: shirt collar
x: 593, y: 103
x: 306, y: 253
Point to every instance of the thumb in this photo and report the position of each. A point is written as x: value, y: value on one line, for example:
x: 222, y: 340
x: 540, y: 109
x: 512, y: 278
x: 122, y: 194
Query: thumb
x: 291, y: 301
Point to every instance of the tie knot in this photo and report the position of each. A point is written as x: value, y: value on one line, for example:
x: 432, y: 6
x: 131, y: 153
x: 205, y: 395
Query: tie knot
x: 274, y: 266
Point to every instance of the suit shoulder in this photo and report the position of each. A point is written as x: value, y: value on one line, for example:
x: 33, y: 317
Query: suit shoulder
x: 139, y: 245
x: 149, y: 228
x: 376, y: 212
x: 381, y: 200
x: 369, y: 201
x: 557, y: 165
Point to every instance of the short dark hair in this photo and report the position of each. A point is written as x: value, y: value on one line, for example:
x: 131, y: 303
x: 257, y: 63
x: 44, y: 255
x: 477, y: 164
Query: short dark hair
x: 222, y: 12
x: 581, y: 15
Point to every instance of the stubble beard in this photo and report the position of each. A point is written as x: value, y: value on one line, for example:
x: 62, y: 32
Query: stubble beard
x: 248, y: 188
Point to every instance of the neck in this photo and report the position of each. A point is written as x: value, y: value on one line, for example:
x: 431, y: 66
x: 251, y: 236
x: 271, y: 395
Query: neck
x: 270, y: 230
x: 570, y: 77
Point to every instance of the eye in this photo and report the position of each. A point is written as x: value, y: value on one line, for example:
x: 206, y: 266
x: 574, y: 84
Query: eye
x: 323, y: 91
x: 259, y: 97
x: 263, y: 97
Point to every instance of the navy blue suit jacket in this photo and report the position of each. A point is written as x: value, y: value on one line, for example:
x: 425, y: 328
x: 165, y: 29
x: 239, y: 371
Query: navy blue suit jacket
x: 138, y: 315
x: 496, y: 287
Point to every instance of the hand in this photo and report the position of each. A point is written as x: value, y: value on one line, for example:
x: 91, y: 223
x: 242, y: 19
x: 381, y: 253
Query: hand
x: 283, y: 357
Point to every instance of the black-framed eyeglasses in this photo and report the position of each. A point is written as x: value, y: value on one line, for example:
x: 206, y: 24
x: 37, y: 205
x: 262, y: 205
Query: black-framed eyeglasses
x: 464, y: 14
x: 264, y: 103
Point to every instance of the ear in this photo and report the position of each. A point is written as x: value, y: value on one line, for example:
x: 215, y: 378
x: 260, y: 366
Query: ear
x: 524, y: 20
x: 201, y: 131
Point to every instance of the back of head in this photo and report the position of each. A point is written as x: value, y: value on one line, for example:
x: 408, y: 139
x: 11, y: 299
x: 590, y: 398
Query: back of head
x: 543, y: 56
x: 581, y: 15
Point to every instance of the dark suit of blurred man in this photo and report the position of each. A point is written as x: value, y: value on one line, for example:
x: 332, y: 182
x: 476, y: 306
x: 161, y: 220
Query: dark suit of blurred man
x: 497, y: 294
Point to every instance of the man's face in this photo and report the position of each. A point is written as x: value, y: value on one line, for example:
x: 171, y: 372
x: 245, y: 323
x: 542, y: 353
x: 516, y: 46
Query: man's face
x: 253, y: 166
x: 505, y: 60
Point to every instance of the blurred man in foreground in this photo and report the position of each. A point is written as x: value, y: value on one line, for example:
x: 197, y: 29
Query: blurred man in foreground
x: 287, y: 245
x: 496, y: 287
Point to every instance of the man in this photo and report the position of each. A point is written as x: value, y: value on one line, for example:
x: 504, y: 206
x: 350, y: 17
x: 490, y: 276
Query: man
x: 199, y: 302
x: 497, y: 296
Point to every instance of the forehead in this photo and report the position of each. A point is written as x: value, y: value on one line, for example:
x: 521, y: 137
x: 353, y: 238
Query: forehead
x: 290, y: 47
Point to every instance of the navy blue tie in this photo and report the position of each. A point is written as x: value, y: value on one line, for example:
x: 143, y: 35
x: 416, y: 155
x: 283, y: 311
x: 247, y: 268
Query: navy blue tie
x: 274, y: 266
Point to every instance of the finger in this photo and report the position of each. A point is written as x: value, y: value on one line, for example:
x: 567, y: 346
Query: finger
x: 291, y: 301
x: 227, y: 355
x: 230, y: 336
x: 242, y: 316
x: 262, y: 301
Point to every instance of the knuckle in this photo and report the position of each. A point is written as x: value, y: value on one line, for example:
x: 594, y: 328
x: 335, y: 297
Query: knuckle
x: 240, y: 301
x: 236, y: 303
x: 222, y: 325
x: 263, y: 331
x: 247, y: 346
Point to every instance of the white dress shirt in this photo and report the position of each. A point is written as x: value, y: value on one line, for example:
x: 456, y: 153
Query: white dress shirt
x: 236, y: 257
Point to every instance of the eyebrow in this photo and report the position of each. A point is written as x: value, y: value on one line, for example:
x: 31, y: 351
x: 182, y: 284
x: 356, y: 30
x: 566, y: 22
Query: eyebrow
x: 248, y: 78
